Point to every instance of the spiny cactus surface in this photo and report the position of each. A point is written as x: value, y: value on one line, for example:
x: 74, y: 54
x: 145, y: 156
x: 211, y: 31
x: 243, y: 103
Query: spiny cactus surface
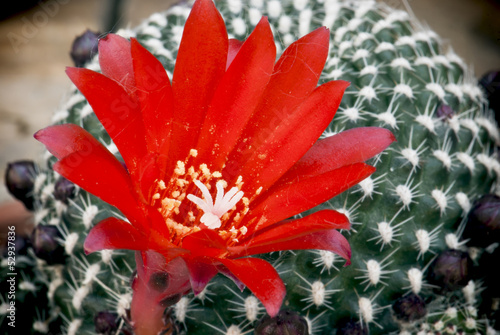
x: 412, y: 272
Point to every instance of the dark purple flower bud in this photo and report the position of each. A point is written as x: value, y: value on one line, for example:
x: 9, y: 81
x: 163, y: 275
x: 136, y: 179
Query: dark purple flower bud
x: 409, y: 308
x: 285, y: 323
x: 45, y: 242
x: 171, y: 300
x: 491, y: 85
x: 451, y: 270
x: 19, y: 179
x: 352, y: 327
x: 445, y: 112
x: 64, y: 190
x: 483, y: 221
x: 106, y: 323
x: 84, y: 48
x: 158, y: 281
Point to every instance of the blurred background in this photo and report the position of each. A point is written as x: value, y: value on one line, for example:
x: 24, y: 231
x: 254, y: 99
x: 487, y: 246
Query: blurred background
x: 36, y: 37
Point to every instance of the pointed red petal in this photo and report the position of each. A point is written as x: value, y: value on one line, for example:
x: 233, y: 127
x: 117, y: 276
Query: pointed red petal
x: 200, y: 65
x: 117, y: 111
x: 294, y: 77
x: 283, y: 147
x: 285, y: 200
x: 205, y: 242
x: 244, y: 82
x: 115, y: 60
x: 294, y: 234
x: 112, y: 233
x: 201, y: 271
x: 64, y: 139
x: 261, y: 278
x: 234, y: 46
x: 348, y: 147
x: 225, y: 271
x: 99, y: 173
x: 87, y: 163
x: 155, y: 96
x: 284, y: 230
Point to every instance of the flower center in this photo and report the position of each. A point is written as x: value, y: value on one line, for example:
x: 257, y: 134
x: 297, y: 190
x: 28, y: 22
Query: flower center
x: 214, y: 210
x: 201, y: 211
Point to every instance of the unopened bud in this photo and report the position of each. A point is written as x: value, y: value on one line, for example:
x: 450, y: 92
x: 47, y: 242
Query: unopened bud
x: 285, y: 323
x: 483, y: 221
x: 84, y: 47
x: 445, y: 112
x: 19, y: 179
x: 45, y: 241
x: 451, y: 270
x: 64, y: 190
x: 491, y: 85
x: 409, y: 308
x: 353, y: 327
x: 106, y: 323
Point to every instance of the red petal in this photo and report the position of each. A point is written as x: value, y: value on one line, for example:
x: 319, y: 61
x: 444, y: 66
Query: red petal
x: 295, y: 135
x: 284, y: 230
x: 205, y: 242
x: 351, y: 146
x: 285, y: 200
x: 99, y: 173
x: 200, y: 65
x: 155, y: 96
x: 294, y: 77
x: 62, y: 140
x: 237, y: 96
x: 117, y: 111
x: 296, y: 235
x: 115, y: 60
x: 234, y: 46
x: 112, y: 233
x: 201, y: 271
x: 87, y: 163
x: 330, y: 240
x: 261, y: 278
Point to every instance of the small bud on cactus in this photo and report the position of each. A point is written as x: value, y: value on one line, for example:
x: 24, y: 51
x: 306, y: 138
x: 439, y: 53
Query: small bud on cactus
x: 352, y: 327
x: 45, y: 241
x: 451, y: 270
x: 19, y: 179
x: 444, y: 112
x: 84, y: 47
x: 285, y: 323
x: 409, y: 308
x: 483, y: 223
x: 64, y: 190
x: 106, y: 323
x: 491, y: 85
x: 159, y: 281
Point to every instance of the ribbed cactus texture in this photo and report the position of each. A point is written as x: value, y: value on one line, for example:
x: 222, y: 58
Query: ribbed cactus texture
x: 411, y: 273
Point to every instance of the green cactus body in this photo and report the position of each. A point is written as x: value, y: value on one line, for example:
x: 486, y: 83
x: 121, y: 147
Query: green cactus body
x: 409, y: 212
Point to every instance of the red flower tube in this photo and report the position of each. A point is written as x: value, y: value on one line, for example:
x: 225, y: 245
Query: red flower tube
x: 218, y: 160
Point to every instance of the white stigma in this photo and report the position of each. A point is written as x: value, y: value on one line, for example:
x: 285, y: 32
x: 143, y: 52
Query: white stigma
x: 215, y: 210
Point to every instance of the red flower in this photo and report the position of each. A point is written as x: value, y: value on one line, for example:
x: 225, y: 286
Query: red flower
x: 217, y: 161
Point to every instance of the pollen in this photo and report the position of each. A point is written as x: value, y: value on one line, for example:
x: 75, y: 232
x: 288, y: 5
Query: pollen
x: 212, y: 204
x: 180, y: 169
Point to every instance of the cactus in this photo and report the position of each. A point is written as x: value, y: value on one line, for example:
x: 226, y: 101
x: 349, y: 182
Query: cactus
x: 412, y: 270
